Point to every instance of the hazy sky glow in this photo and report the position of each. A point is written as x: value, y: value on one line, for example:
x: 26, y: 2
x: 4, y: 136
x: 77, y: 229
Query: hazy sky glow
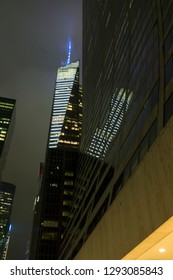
x: 34, y: 42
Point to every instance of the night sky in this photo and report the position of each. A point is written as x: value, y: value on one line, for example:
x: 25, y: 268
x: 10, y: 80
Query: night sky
x: 34, y: 38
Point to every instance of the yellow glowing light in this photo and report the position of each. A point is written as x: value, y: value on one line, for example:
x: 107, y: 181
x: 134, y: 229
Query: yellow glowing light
x: 162, y: 250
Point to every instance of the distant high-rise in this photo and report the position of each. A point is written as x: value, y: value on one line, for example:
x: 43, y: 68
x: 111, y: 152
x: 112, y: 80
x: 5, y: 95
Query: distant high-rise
x: 7, y: 192
x: 6, y: 127
x: 52, y: 210
x: 124, y: 188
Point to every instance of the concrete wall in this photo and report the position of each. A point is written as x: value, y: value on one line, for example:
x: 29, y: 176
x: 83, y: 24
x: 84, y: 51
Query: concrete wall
x: 144, y: 203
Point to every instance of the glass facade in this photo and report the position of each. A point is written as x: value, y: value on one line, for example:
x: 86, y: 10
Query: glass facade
x: 128, y: 97
x: 104, y: 135
x: 63, y: 102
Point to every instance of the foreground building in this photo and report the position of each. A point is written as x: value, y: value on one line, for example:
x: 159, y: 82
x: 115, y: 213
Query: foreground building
x: 7, y: 192
x: 53, y: 205
x: 123, y: 189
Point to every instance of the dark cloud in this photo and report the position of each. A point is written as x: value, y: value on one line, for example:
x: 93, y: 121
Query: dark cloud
x: 34, y: 37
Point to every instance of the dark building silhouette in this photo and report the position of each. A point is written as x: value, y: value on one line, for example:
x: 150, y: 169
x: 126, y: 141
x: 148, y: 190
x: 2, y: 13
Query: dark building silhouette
x: 53, y: 205
x: 7, y: 106
x: 123, y: 190
x: 7, y: 192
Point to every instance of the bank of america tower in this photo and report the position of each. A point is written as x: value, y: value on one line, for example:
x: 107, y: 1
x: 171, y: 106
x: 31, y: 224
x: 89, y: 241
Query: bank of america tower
x: 53, y: 204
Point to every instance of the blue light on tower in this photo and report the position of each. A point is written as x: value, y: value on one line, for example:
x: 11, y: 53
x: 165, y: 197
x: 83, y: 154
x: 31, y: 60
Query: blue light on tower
x: 69, y: 52
x: 9, y: 228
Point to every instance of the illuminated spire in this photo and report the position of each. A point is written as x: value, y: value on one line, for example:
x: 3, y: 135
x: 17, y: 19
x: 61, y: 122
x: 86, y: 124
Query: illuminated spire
x: 69, y: 52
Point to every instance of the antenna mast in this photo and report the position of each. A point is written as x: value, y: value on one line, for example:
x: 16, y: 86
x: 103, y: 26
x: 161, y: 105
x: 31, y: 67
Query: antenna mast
x: 69, y: 52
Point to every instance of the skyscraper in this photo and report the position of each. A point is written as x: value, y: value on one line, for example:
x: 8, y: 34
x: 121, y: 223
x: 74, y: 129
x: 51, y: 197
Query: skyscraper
x: 6, y: 127
x: 53, y: 204
x: 124, y: 179
x: 7, y: 192
x: 66, y: 113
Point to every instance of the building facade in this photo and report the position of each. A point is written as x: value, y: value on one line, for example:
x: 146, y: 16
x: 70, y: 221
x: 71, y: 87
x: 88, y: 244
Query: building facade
x: 7, y: 192
x: 7, y: 119
x: 124, y: 178
x: 53, y: 205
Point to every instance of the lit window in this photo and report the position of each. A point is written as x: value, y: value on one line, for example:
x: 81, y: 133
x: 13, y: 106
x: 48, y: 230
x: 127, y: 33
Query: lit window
x: 49, y: 235
x: 67, y: 202
x: 69, y: 173
x: 48, y: 223
x: 53, y: 185
x: 66, y: 214
x: 68, y: 183
x: 67, y: 192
